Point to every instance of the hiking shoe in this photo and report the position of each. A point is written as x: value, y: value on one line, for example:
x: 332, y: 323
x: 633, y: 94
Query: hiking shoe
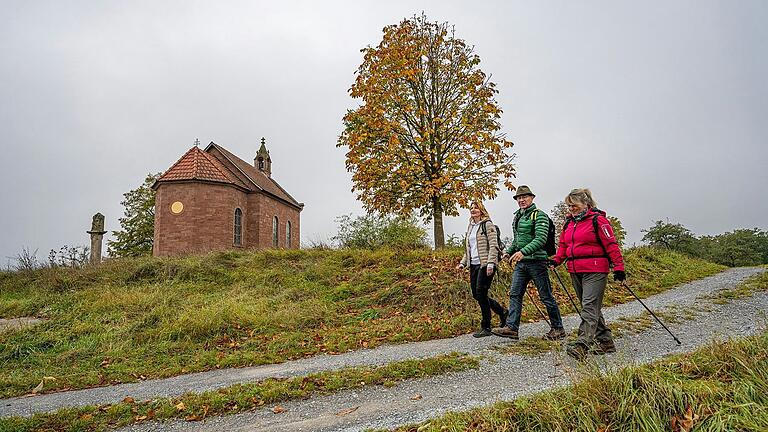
x: 506, y: 332
x: 503, y: 317
x: 555, y: 334
x: 578, y: 351
x: 482, y: 333
x: 604, y: 347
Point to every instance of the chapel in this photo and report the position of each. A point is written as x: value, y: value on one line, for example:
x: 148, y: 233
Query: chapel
x: 212, y: 200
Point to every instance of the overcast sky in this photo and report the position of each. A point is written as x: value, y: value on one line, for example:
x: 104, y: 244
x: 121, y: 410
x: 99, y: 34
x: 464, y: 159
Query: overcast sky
x: 661, y: 108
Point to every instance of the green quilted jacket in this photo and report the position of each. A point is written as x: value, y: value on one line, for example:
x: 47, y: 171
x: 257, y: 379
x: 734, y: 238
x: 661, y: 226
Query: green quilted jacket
x: 524, y: 241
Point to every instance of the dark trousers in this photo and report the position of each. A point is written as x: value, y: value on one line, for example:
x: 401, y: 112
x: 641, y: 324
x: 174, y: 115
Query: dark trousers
x: 536, y: 271
x: 481, y: 283
x: 590, y: 288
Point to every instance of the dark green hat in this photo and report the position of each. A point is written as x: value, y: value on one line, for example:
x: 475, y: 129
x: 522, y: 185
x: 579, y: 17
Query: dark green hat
x: 523, y: 190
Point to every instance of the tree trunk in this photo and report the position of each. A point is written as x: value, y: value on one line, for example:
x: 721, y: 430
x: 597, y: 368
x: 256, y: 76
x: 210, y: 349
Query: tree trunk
x: 437, y: 212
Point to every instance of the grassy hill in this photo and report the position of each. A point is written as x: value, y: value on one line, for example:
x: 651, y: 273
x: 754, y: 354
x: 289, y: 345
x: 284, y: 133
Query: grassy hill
x: 132, y: 319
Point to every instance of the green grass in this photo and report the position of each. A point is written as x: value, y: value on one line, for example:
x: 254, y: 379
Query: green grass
x: 722, y: 387
x: 134, y: 319
x: 237, y: 398
x: 747, y: 288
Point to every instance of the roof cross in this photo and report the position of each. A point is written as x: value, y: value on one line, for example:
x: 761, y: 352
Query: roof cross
x: 197, y: 142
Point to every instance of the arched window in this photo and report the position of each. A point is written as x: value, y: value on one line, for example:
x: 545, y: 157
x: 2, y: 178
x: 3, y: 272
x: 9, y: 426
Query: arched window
x: 274, y: 231
x: 238, y: 227
x: 288, y: 235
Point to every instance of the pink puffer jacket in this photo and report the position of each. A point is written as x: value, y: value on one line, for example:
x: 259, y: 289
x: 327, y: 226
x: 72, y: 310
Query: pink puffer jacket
x: 579, y: 245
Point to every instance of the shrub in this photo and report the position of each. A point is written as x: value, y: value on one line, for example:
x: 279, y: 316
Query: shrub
x: 373, y: 231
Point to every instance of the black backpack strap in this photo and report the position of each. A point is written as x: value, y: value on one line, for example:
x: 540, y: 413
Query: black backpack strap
x: 599, y: 241
x: 485, y: 233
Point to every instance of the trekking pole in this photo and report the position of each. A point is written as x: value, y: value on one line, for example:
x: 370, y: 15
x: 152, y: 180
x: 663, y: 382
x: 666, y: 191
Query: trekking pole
x: 624, y: 284
x: 537, y: 306
x: 568, y: 293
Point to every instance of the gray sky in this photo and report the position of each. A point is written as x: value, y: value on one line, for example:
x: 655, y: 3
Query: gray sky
x: 659, y: 107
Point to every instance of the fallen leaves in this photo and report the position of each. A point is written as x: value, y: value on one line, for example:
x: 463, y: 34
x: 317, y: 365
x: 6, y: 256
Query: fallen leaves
x: 278, y: 409
x: 416, y: 397
x: 148, y: 416
x: 38, y: 388
x: 347, y: 411
x: 684, y: 424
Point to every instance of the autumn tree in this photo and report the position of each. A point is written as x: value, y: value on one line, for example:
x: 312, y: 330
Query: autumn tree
x: 138, y: 224
x: 426, y: 136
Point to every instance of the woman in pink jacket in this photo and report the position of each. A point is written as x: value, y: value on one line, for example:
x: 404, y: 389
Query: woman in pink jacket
x: 589, y: 248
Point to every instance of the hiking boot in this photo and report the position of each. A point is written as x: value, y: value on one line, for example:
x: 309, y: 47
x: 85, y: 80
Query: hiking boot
x: 555, y: 334
x: 604, y: 347
x: 482, y: 333
x: 506, y: 332
x: 503, y: 317
x: 578, y: 351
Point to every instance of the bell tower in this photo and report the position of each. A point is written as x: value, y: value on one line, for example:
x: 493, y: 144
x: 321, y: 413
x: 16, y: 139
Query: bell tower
x: 262, y: 161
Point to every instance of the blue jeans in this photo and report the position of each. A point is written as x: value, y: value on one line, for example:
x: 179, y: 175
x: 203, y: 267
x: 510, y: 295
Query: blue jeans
x: 525, y: 271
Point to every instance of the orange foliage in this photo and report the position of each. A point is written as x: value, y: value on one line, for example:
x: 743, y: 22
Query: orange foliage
x: 427, y: 134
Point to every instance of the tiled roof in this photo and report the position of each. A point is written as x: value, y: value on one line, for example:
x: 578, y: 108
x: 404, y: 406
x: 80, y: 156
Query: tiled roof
x: 259, y: 180
x: 198, y: 165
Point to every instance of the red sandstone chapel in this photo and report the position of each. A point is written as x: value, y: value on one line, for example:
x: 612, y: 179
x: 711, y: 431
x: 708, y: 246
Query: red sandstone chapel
x: 213, y: 200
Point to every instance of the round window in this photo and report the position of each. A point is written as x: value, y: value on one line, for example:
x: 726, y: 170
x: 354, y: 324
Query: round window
x: 177, y: 207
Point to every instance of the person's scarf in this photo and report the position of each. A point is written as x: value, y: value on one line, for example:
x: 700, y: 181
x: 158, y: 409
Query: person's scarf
x: 581, y: 215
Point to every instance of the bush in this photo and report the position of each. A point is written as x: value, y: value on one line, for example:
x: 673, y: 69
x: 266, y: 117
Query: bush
x: 740, y: 247
x: 373, y: 231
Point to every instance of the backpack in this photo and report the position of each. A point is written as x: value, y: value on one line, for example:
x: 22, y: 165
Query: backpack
x: 498, y: 238
x: 550, y: 246
x: 597, y: 233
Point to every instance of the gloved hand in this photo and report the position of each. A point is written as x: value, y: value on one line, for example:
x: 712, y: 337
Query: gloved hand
x: 619, y: 275
x: 489, y: 269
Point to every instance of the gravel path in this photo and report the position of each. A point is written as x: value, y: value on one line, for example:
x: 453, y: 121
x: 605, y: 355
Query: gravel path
x: 380, y: 407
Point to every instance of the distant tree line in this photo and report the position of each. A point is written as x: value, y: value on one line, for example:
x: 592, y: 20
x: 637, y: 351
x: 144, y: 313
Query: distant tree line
x: 740, y: 247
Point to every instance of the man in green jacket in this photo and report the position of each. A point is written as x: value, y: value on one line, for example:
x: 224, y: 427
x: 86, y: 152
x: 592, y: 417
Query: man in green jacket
x: 530, y: 228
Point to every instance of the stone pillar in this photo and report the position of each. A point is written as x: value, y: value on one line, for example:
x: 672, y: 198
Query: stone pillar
x: 97, y: 235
